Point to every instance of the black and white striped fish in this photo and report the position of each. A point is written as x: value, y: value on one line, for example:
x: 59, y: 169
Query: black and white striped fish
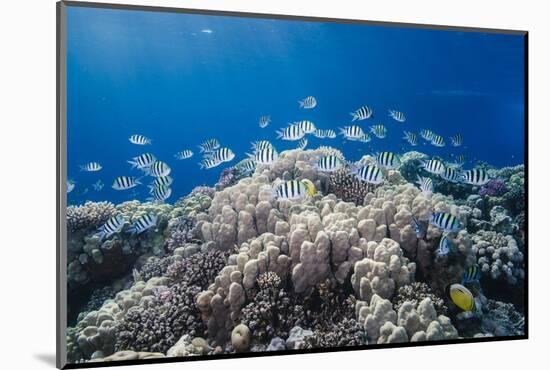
x: 112, y: 226
x: 266, y: 156
x: 142, y: 161
x: 125, y: 183
x: 308, y: 103
x: 452, y: 175
x: 221, y: 155
x: 246, y: 165
x: 264, y: 121
x: 302, y: 143
x: 427, y: 134
x: 209, y: 145
x: 294, y: 189
x: 306, y: 126
x: 369, y: 173
x: 388, y: 160
x: 446, y: 222
x: 438, y: 140
x: 426, y: 184
x: 139, y: 140
x: 261, y: 144
x: 322, y: 134
x: 477, y: 176
x: 209, y: 163
x: 291, y: 133
x: 365, y: 138
x: 352, y: 132
x: 91, y: 167
x: 161, y: 181
x: 160, y: 193
x: 184, y: 154
x: 143, y: 223
x: 411, y: 138
x: 396, y: 115
x: 456, y: 140
x: 362, y: 113
x: 329, y: 163
x: 379, y: 131
x: 158, y: 169
x: 434, y: 166
x: 458, y: 162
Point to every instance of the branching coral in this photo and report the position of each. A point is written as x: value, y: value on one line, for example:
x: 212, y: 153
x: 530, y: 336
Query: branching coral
x: 182, y: 230
x: 415, y: 293
x: 499, y: 256
x: 348, y: 187
x: 198, y: 269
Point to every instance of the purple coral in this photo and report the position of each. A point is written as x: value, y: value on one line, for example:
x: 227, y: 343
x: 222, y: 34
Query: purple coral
x: 493, y: 188
x: 182, y: 230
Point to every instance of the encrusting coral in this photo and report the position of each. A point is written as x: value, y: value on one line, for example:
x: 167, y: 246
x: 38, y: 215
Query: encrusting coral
x: 234, y: 269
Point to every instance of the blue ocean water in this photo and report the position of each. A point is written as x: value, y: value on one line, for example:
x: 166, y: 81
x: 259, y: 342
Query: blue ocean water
x: 180, y: 79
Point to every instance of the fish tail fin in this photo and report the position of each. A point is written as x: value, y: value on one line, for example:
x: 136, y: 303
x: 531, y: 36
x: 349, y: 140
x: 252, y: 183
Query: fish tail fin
x: 302, y: 103
x: 133, y: 163
x: 354, y: 116
x: 280, y: 134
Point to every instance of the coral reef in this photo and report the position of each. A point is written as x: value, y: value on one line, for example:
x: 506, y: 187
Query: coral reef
x: 348, y: 187
x: 499, y: 256
x: 89, y: 215
x: 416, y: 292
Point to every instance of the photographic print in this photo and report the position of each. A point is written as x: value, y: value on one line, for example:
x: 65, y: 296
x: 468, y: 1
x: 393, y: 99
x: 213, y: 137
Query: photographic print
x: 241, y: 185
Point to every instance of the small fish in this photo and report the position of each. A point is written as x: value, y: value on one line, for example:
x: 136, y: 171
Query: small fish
x: 446, y: 222
x: 420, y: 228
x: 320, y: 134
x: 207, y: 30
x: 160, y: 193
x: 158, y: 169
x: 462, y: 297
x: 396, y: 115
x: 291, y: 133
x: 143, y: 223
x: 379, y: 131
x: 112, y: 226
x: 209, y: 163
x: 302, y: 143
x: 262, y: 144
x: 139, y: 140
x: 308, y: 103
x: 411, y: 138
x: 306, y: 126
x: 98, y: 185
x: 266, y: 156
x: 161, y: 181
x: 458, y: 162
x: 184, y: 154
x: 471, y: 275
x: 444, y: 246
x: 142, y: 161
x: 452, y: 175
x: 388, y: 160
x: 247, y: 165
x: 426, y: 184
x: 365, y: 138
x: 330, y: 134
x: 264, y: 121
x: 427, y: 134
x: 91, y: 167
x: 438, y: 140
x: 222, y: 155
x: 369, y: 173
x: 362, y: 113
x: 209, y: 146
x: 352, y: 132
x: 434, y: 166
x: 70, y: 186
x: 294, y: 189
x: 477, y: 177
x: 456, y: 140
x: 329, y: 163
x: 125, y: 183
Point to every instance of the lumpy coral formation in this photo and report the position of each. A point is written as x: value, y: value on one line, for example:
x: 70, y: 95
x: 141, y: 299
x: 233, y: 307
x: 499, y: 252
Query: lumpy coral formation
x: 233, y: 269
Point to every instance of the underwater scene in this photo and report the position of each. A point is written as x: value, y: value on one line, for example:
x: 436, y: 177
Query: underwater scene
x: 242, y: 185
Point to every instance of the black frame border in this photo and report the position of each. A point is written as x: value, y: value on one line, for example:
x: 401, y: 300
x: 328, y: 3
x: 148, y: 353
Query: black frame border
x: 61, y: 192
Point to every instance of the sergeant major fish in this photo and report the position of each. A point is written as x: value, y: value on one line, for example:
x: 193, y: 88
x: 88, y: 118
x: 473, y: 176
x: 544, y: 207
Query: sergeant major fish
x: 411, y: 138
x: 264, y: 121
x: 446, y: 222
x: 308, y: 103
x: 396, y: 115
x: 388, y: 160
x: 158, y: 169
x: 302, y: 143
x: 139, y: 140
x: 125, y: 183
x: 209, y: 145
x: 362, y: 113
x: 112, y: 226
x: 160, y: 193
x: 434, y: 166
x: 369, y: 173
x: 295, y: 189
x: 291, y: 133
x: 352, y: 132
x: 329, y: 163
x: 143, y: 223
x: 426, y: 184
x: 477, y: 176
x: 379, y: 131
x: 184, y: 154
x: 142, y: 161
x: 91, y: 167
x: 266, y: 156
